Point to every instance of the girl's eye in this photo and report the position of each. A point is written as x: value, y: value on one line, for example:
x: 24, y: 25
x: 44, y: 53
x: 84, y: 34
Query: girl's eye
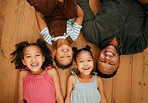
x: 28, y: 56
x: 38, y: 55
x: 80, y: 61
x: 89, y: 60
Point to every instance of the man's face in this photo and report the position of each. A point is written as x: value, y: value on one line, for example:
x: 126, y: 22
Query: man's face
x: 108, y: 60
x: 64, y: 55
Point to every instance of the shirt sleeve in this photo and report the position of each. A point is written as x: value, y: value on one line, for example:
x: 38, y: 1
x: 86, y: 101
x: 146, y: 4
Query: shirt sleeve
x: 73, y: 29
x: 47, y: 37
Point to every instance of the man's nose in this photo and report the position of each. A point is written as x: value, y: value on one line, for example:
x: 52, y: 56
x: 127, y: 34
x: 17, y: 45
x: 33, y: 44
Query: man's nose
x: 107, y: 57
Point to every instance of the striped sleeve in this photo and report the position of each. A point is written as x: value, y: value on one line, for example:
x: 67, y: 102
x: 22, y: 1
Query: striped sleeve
x: 47, y: 37
x: 74, y: 30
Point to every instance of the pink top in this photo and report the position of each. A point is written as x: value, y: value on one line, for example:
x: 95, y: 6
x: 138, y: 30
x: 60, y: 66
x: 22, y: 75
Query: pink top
x: 39, y: 89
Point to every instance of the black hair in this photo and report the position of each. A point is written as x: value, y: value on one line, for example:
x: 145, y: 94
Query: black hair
x: 18, y: 54
x: 106, y: 75
x: 76, y: 52
x: 62, y: 66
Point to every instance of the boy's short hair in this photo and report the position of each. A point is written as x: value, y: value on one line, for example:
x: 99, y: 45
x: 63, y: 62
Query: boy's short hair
x: 62, y: 66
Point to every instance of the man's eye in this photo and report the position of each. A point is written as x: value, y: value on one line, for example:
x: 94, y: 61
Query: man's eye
x: 111, y: 64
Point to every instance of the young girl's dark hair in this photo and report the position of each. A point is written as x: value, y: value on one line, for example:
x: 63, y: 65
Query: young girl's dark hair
x: 77, y: 51
x: 18, y: 54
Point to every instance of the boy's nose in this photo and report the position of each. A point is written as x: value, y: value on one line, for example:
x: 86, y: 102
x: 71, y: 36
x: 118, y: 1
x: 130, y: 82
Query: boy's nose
x: 65, y: 54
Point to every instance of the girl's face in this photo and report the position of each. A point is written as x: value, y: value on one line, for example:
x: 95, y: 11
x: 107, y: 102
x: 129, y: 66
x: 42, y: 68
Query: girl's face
x: 85, y: 62
x: 33, y: 58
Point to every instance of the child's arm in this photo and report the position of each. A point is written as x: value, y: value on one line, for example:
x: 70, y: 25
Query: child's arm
x: 70, y: 83
x: 56, y: 80
x: 80, y: 16
x: 22, y: 75
x: 40, y: 20
x: 101, y: 89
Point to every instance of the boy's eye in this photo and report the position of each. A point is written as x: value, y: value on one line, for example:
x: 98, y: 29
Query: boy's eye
x: 68, y: 56
x: 102, y: 61
x: 80, y: 61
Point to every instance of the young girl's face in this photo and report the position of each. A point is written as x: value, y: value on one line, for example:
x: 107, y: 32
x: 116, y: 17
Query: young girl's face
x: 33, y: 58
x: 84, y: 62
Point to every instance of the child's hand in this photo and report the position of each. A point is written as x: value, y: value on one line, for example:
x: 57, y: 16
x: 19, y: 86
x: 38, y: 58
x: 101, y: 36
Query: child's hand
x: 40, y: 20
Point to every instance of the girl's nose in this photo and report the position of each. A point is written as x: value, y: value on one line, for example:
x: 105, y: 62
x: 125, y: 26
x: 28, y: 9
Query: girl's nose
x: 85, y: 63
x: 34, y: 59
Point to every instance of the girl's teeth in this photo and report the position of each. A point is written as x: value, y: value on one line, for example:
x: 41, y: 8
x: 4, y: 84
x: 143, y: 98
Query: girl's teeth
x: 85, y: 68
x: 34, y: 64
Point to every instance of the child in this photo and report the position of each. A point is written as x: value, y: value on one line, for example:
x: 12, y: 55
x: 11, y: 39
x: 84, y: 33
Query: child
x: 84, y: 87
x: 58, y: 26
x: 38, y: 81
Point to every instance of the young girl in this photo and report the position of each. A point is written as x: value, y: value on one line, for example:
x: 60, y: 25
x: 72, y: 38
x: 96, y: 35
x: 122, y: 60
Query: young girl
x: 84, y: 87
x: 38, y: 81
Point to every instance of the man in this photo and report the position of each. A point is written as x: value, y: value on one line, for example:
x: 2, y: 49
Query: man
x: 120, y: 27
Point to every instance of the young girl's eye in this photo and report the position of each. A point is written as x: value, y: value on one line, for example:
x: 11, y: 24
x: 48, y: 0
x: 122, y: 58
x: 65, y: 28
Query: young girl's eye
x: 80, y: 61
x: 89, y: 60
x: 28, y: 56
x: 37, y: 54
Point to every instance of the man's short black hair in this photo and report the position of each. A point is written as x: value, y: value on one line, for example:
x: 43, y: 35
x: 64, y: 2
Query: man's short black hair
x: 62, y: 66
x: 106, y: 75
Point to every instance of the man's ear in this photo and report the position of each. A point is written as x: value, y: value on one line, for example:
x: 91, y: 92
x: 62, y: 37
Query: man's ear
x: 23, y: 62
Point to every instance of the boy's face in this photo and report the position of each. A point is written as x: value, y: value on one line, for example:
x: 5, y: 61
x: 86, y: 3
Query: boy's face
x: 64, y: 54
x: 108, y: 60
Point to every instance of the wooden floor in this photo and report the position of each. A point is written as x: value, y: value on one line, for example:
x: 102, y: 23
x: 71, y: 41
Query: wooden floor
x: 18, y: 23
